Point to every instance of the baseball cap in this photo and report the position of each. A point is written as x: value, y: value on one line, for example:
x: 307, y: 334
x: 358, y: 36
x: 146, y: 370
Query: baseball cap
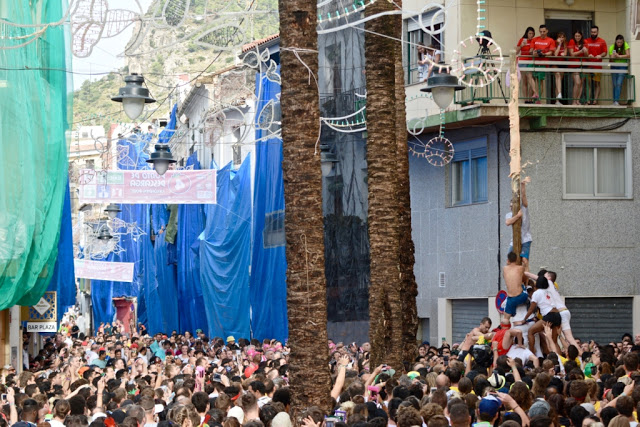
x: 249, y: 370
x: 587, y: 369
x: 281, y: 420
x: 489, y: 405
x: 589, y: 407
x: 539, y: 407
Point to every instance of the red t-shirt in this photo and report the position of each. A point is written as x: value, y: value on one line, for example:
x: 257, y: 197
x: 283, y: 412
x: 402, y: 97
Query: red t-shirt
x: 499, y: 338
x: 573, y: 47
x: 595, y: 47
x: 525, y: 46
x: 561, y: 52
x: 545, y: 45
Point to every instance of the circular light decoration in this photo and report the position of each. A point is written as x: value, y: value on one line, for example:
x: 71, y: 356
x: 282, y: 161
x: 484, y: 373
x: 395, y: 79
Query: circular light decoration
x: 441, y: 11
x: 439, y: 151
x: 482, y: 69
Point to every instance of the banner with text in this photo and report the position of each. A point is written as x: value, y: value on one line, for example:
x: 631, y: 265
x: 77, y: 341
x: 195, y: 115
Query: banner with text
x: 104, y: 270
x: 146, y: 186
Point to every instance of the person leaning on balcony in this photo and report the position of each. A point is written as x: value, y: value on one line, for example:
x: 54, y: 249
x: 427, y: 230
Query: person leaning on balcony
x: 543, y: 47
x: 577, y: 50
x: 619, y: 53
x: 523, y: 50
x: 433, y: 55
x: 597, y: 48
x: 423, y: 64
x: 560, y: 53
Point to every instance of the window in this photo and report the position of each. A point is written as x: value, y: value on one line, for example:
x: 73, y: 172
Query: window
x: 597, y: 165
x: 273, y: 232
x: 90, y: 164
x: 468, y: 173
x: 432, y: 19
x: 237, y: 154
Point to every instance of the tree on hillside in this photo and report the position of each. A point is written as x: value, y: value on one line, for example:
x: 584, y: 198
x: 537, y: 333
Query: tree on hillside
x: 310, y: 379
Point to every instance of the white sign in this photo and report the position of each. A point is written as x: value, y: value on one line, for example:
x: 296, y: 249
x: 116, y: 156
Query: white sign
x: 42, y: 326
x: 104, y: 270
x: 42, y: 306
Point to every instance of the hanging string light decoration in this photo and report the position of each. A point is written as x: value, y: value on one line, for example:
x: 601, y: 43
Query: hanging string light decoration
x: 438, y: 150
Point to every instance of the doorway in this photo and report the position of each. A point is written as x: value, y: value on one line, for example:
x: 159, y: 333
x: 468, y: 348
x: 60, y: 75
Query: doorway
x: 567, y: 22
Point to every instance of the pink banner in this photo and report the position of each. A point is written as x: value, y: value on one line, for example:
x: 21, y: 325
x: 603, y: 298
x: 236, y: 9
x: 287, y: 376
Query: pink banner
x: 146, y: 186
x: 104, y: 270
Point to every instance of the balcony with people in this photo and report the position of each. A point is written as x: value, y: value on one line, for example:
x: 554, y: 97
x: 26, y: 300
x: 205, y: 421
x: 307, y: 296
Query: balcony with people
x: 563, y: 71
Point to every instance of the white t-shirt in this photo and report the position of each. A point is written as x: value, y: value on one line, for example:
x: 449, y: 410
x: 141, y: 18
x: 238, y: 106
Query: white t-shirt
x: 55, y: 423
x: 544, y: 300
x: 525, y: 231
x: 557, y: 299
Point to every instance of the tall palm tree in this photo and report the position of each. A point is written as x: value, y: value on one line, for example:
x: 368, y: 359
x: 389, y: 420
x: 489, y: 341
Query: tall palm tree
x: 385, y: 299
x: 310, y: 379
x: 408, y: 285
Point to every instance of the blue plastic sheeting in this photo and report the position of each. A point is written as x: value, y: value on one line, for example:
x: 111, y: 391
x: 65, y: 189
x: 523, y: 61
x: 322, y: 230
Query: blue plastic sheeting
x: 170, y: 128
x: 166, y: 273
x: 131, y: 156
x: 191, y: 223
x: 151, y: 308
x: 103, y: 292
x: 268, y: 289
x: 63, y: 280
x: 225, y: 254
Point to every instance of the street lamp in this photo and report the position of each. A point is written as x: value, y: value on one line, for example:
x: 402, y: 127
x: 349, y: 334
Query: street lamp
x: 161, y: 158
x: 112, y: 210
x: 327, y: 159
x: 442, y: 86
x: 104, y: 235
x: 133, y: 96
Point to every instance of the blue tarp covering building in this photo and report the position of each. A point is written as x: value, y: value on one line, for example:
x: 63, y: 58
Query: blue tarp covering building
x: 63, y: 280
x: 226, y: 273
x: 225, y: 254
x: 268, y: 292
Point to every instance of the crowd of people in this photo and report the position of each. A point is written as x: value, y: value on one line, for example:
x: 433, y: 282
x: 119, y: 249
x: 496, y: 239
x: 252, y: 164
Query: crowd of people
x: 572, y: 51
x: 133, y: 379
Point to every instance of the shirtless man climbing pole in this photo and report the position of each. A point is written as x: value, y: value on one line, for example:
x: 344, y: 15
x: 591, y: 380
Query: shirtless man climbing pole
x: 516, y: 293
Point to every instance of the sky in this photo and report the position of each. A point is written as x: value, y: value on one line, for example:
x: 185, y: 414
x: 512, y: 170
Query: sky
x: 108, y: 54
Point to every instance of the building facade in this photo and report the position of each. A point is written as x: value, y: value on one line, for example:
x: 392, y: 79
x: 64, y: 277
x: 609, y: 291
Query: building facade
x: 583, y: 164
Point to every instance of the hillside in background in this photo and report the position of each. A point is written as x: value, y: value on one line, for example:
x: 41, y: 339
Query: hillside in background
x: 177, y: 48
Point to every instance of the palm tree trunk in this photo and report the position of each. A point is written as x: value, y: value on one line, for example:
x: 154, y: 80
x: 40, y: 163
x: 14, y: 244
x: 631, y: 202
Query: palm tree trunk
x: 310, y: 380
x: 408, y: 285
x: 385, y: 301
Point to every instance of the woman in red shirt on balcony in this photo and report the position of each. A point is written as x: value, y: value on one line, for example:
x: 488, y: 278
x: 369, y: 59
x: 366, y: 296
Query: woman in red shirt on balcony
x: 560, y: 53
x: 523, y: 50
x: 577, y: 50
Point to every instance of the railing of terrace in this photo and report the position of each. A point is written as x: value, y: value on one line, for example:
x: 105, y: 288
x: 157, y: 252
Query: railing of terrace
x: 579, y: 81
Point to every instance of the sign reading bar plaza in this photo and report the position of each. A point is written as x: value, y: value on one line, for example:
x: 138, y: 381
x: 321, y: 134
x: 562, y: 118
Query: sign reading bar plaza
x: 42, y: 327
x: 104, y: 270
x: 146, y: 186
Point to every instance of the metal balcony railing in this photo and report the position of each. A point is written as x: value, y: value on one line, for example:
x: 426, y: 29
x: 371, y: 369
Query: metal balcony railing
x: 575, y: 79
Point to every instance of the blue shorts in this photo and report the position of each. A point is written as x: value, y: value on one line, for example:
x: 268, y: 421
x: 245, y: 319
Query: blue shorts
x: 526, y: 248
x: 514, y: 302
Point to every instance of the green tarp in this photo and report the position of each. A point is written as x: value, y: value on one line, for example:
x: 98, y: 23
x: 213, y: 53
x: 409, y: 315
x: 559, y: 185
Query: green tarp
x: 34, y: 110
